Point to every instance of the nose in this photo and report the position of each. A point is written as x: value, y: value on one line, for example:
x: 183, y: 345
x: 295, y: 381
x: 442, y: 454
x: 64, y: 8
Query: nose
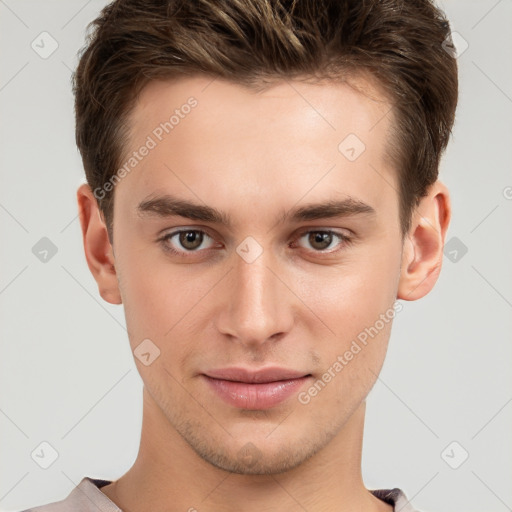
x: 255, y: 304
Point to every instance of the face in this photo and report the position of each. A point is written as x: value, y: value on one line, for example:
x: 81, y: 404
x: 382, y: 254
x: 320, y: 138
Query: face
x: 258, y: 247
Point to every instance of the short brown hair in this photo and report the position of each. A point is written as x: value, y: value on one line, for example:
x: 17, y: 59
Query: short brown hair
x: 401, y: 43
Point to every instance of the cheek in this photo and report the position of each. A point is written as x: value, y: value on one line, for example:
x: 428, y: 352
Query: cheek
x: 353, y: 296
x: 163, y: 301
x: 351, y: 359
x: 160, y: 299
x: 356, y: 302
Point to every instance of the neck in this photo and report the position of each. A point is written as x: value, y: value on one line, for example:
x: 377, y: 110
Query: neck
x: 169, y: 475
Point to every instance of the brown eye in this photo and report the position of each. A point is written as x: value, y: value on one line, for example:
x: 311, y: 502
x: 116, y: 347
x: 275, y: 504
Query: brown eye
x: 325, y: 241
x: 191, y: 239
x: 187, y: 241
x: 320, y: 240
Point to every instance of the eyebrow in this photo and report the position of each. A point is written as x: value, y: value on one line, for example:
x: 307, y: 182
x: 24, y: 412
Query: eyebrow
x: 168, y: 206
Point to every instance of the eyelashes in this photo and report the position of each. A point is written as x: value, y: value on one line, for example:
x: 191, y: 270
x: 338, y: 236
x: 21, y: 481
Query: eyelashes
x: 189, y: 242
x: 344, y: 240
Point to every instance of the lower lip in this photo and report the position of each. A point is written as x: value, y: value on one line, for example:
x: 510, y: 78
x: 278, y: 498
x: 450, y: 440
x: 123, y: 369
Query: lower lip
x: 255, y: 396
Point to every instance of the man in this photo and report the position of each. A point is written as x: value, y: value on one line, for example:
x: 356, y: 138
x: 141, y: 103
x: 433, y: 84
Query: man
x: 262, y: 188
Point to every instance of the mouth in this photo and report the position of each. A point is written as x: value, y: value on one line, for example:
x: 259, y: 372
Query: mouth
x: 255, y: 390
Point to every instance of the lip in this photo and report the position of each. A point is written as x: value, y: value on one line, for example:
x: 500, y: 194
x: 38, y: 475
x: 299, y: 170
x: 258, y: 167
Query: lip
x: 255, y: 389
x: 263, y: 375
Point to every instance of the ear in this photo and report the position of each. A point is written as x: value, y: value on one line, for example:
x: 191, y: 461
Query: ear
x: 98, y: 249
x: 422, y: 254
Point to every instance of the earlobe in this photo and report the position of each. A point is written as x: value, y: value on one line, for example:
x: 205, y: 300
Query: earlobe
x: 422, y: 255
x: 98, y: 249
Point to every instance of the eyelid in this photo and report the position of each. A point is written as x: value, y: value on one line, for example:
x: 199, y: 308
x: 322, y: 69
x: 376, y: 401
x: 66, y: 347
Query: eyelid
x: 345, y: 239
x: 313, y: 229
x: 173, y: 231
x: 166, y: 236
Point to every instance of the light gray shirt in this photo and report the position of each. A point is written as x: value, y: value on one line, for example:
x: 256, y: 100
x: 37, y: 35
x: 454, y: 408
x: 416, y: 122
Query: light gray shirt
x: 87, y: 497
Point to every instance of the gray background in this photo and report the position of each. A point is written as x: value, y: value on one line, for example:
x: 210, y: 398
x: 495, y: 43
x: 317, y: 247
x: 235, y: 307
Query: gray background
x: 66, y: 372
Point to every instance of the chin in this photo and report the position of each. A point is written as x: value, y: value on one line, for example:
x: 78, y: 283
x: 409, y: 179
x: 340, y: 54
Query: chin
x: 259, y: 456
x: 249, y: 460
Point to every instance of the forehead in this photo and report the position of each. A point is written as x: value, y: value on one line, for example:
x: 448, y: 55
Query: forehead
x: 357, y: 103
x: 219, y: 142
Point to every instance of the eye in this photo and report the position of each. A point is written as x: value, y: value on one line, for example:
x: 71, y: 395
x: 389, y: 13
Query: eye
x: 189, y: 241
x: 186, y: 240
x: 320, y: 240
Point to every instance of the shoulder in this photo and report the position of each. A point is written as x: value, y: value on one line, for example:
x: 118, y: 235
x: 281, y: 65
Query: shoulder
x: 395, y: 497
x: 85, y: 497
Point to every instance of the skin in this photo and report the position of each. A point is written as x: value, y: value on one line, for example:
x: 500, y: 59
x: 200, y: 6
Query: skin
x: 254, y: 156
